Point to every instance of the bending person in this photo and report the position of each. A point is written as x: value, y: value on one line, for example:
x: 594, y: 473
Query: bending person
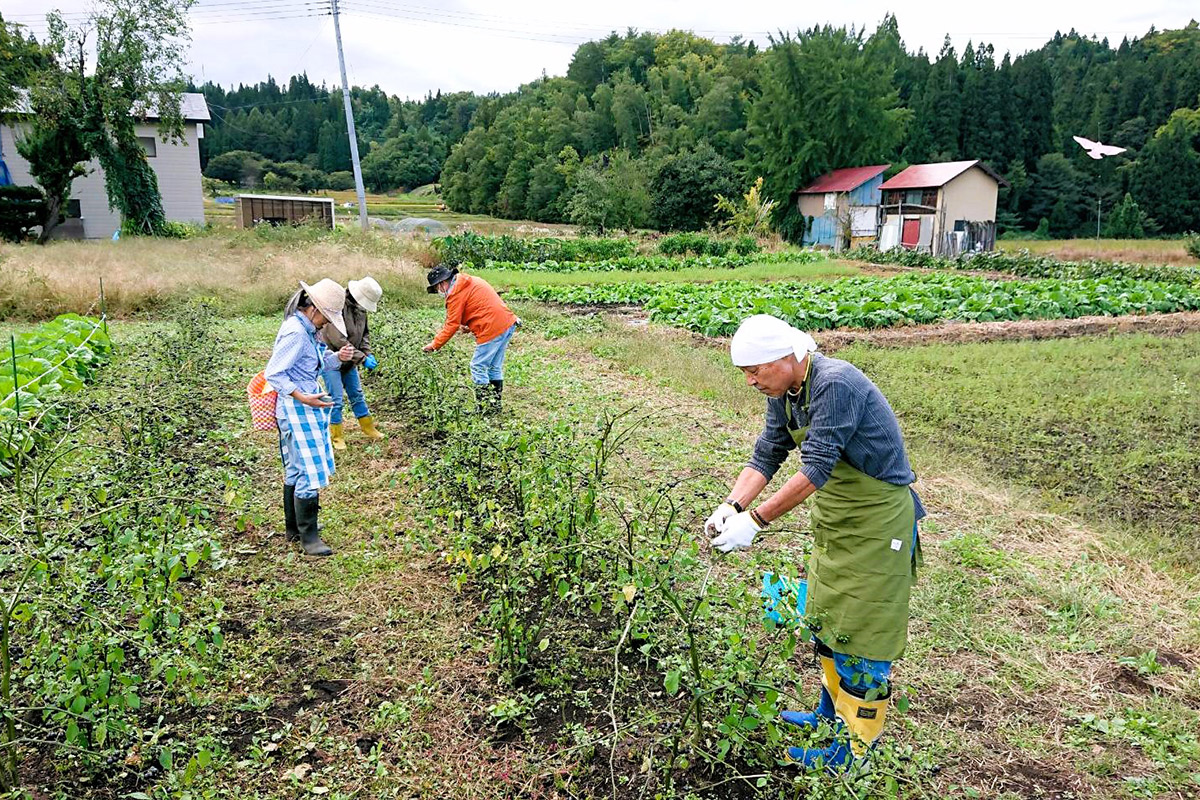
x: 343, y: 383
x: 473, y: 304
x: 864, y: 521
x: 302, y: 409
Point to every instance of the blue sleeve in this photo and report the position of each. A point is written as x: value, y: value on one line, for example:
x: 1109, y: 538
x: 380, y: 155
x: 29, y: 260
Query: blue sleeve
x: 288, y: 348
x: 774, y: 443
x: 835, y: 408
x: 329, y: 358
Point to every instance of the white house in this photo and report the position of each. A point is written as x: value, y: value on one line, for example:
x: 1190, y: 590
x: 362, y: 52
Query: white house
x: 177, y: 165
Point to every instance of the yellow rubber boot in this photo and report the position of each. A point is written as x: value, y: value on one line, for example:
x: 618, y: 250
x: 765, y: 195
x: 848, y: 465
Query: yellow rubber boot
x: 829, y: 678
x: 335, y: 436
x: 367, y: 426
x: 863, y: 718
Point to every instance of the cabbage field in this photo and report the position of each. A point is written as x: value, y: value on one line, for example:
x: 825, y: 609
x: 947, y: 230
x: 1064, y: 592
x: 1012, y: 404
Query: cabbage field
x: 716, y: 309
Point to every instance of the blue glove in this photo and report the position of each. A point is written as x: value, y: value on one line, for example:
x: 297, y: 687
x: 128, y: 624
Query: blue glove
x: 776, y: 592
x: 369, y: 362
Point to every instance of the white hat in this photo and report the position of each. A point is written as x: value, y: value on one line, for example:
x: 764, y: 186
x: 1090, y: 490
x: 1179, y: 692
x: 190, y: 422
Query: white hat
x: 366, y: 293
x: 762, y: 338
x: 330, y: 298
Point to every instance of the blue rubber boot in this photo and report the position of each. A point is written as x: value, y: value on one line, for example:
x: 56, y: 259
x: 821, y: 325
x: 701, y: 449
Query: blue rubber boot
x: 811, y: 719
x: 860, y: 724
x: 825, y: 708
x: 835, y: 757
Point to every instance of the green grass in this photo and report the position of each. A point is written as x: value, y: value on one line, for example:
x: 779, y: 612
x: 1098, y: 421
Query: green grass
x: 507, y: 279
x: 1108, y: 426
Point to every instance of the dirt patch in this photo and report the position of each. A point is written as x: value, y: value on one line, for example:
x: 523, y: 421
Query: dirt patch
x: 946, y: 332
x: 1027, y: 778
x: 1020, y: 330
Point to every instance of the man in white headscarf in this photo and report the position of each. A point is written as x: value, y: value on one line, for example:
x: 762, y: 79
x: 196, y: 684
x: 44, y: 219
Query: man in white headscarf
x: 864, y: 520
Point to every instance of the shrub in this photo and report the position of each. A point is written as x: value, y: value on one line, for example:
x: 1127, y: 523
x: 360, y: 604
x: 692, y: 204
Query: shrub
x: 22, y: 208
x: 700, y: 244
x: 341, y: 181
x: 1191, y: 243
x: 472, y: 248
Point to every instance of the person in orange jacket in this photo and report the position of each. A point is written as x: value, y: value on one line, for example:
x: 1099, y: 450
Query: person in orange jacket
x: 472, y: 304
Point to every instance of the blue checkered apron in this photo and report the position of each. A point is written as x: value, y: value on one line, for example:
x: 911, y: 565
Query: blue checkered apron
x: 305, y: 447
x: 304, y: 443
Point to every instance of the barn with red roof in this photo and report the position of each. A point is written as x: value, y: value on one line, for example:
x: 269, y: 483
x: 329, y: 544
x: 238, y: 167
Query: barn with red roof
x: 945, y: 208
x: 842, y: 207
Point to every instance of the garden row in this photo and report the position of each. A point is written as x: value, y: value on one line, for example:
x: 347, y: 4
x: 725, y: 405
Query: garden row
x: 650, y: 263
x: 477, y: 249
x: 57, y: 358
x: 594, y: 594
x: 1028, y: 265
x: 716, y: 309
x: 108, y: 628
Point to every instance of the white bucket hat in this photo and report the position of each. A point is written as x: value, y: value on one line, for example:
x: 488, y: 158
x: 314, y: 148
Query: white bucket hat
x: 366, y: 293
x: 761, y: 339
x: 330, y: 298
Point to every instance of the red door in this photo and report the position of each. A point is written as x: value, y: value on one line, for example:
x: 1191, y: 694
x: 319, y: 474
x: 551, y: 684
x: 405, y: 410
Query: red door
x: 911, y: 233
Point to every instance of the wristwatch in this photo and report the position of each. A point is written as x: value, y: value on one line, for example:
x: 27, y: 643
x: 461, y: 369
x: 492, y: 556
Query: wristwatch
x: 736, y: 505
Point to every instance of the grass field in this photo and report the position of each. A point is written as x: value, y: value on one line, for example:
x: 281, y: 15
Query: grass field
x: 1055, y: 641
x: 1138, y: 251
x: 241, y: 271
x: 399, y: 206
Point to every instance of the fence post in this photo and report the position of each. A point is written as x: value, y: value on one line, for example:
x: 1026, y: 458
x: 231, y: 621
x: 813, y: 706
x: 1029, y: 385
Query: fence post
x: 12, y: 343
x: 103, y: 308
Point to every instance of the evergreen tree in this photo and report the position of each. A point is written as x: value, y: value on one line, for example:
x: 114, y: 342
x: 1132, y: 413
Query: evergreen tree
x: 803, y: 124
x: 685, y: 187
x: 1128, y: 221
x: 1166, y: 178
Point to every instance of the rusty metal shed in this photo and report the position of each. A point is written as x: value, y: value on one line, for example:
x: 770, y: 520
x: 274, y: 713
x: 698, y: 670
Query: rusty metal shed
x: 257, y: 209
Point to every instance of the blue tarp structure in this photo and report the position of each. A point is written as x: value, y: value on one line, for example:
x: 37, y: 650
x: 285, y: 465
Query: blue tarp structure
x: 5, y: 176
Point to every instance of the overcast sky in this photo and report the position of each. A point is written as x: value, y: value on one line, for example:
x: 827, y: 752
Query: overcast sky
x: 409, y: 48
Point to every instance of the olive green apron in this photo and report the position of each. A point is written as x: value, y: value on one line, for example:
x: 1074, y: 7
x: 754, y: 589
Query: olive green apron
x: 864, y: 559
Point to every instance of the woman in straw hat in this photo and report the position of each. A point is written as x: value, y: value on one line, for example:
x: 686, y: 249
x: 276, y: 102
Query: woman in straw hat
x: 302, y: 409
x: 362, y: 298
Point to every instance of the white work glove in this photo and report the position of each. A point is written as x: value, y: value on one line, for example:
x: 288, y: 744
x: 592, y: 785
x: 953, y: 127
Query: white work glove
x: 737, y: 533
x: 714, y: 524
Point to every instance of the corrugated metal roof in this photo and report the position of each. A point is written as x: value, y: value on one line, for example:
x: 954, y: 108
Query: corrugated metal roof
x: 192, y: 104
x: 843, y: 180
x: 287, y: 197
x: 924, y: 176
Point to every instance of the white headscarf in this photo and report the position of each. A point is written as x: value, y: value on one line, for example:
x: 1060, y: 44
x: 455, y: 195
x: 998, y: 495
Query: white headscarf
x: 762, y: 338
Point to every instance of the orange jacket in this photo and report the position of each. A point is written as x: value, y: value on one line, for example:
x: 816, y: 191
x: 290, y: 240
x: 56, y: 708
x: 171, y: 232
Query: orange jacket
x: 474, y: 303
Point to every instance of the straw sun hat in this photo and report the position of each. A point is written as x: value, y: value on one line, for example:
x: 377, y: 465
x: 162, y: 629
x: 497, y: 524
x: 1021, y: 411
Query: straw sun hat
x: 366, y: 293
x: 329, y: 297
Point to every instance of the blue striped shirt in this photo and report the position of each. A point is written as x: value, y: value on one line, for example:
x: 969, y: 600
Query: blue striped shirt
x: 849, y: 419
x: 298, y: 358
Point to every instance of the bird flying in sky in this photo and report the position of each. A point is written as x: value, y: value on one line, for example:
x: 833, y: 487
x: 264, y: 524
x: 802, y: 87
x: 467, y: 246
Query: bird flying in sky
x: 1097, y: 150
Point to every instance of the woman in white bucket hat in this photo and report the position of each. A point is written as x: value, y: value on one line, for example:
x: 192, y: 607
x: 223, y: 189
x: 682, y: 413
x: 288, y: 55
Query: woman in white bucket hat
x: 302, y: 409
x: 362, y: 297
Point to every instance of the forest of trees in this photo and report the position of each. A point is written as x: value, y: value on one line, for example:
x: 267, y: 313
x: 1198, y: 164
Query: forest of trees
x: 675, y: 119
x: 296, y: 135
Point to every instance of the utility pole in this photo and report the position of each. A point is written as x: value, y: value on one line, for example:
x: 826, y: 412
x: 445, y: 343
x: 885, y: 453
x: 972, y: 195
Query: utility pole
x: 358, y: 181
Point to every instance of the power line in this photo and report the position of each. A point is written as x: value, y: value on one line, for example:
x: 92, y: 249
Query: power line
x: 359, y: 8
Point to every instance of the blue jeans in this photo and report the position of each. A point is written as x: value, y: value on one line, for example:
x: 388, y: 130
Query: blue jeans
x: 488, y: 362
x: 342, y: 385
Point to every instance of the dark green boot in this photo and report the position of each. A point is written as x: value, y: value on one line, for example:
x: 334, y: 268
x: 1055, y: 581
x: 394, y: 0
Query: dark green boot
x: 498, y: 387
x: 306, y: 521
x: 291, y: 532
